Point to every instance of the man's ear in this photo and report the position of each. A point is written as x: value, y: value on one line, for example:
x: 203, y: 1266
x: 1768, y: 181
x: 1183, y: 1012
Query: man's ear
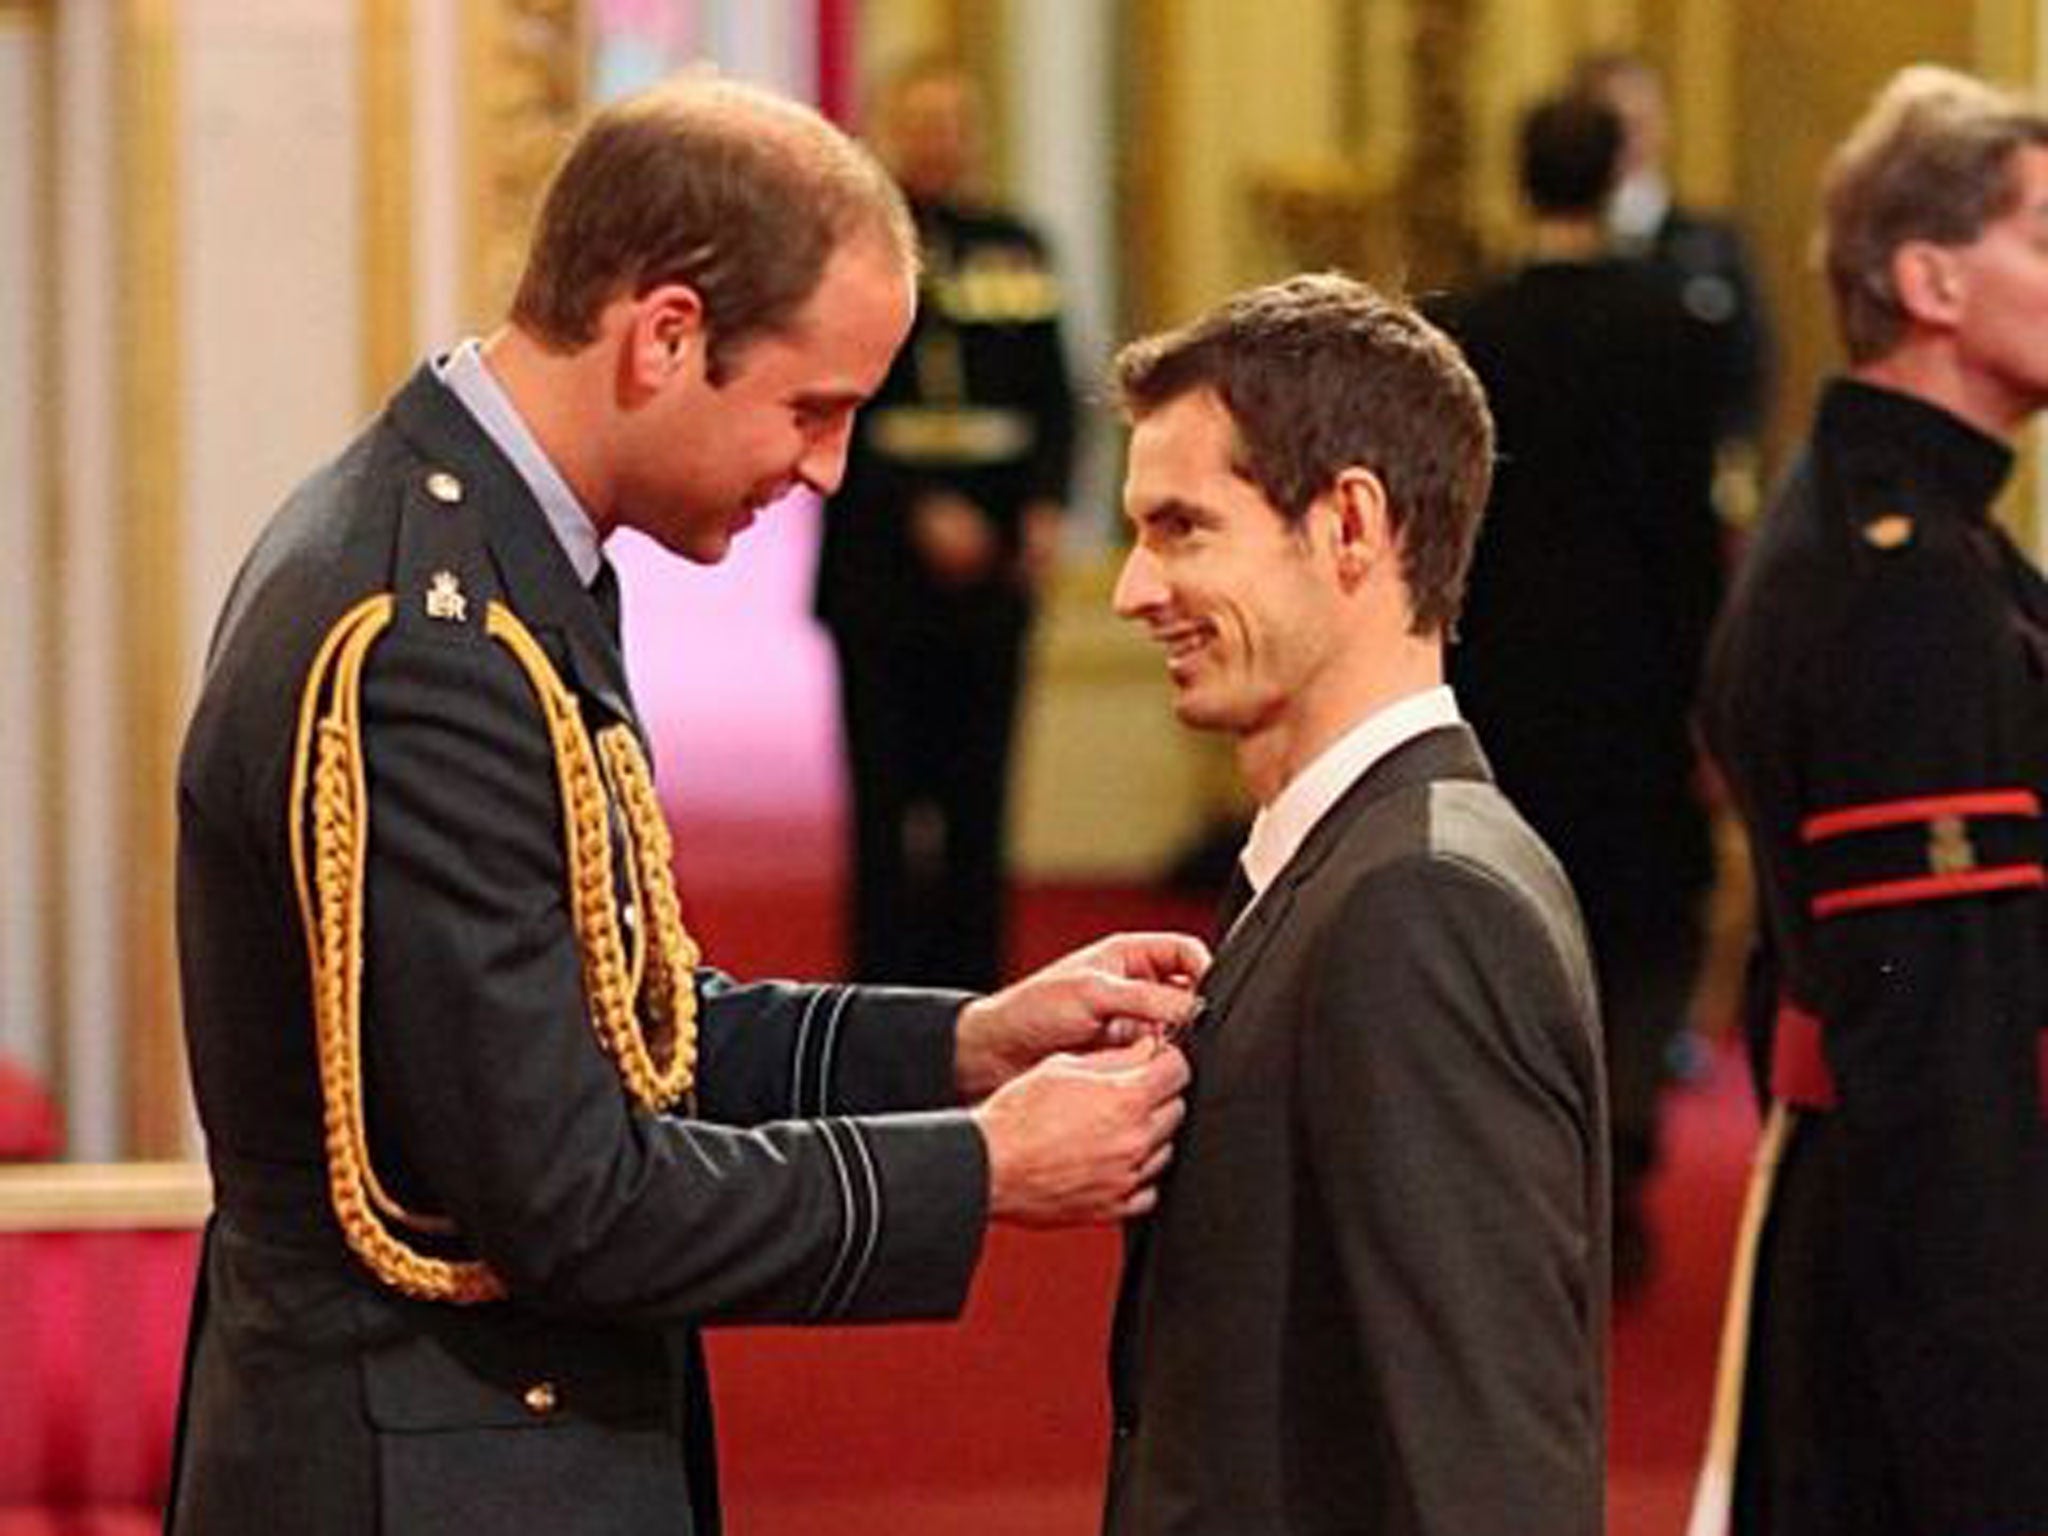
x: 665, y: 335
x: 1361, y: 527
x: 1929, y: 280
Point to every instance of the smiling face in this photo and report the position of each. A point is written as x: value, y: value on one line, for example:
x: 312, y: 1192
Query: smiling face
x: 700, y: 458
x: 1243, y: 602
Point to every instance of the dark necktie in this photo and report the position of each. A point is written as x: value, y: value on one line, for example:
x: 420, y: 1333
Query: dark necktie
x: 1237, y: 895
x: 604, y: 591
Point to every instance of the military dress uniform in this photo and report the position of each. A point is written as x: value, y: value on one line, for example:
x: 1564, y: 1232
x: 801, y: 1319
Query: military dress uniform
x: 1876, y: 696
x: 487, y: 1144
x: 978, y: 403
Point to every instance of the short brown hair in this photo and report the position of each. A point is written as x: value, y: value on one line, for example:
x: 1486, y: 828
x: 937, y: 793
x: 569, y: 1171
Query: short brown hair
x: 1321, y: 373
x: 1931, y: 160
x: 739, y: 193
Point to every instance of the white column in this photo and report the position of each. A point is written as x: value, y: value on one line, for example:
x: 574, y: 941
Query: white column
x: 437, y: 173
x: 768, y: 42
x: 1061, y: 92
x: 87, y: 675
x: 24, y: 754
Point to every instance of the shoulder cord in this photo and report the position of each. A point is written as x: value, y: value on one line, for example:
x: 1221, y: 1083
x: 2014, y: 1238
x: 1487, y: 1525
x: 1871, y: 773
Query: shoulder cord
x: 657, y: 1065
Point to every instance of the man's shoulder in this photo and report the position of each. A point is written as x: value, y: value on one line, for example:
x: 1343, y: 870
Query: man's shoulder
x: 1450, y: 831
x: 1449, y: 865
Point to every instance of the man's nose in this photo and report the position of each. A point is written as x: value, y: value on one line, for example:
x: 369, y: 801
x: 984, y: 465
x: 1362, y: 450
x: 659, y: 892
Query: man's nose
x: 1139, y: 588
x: 823, y: 464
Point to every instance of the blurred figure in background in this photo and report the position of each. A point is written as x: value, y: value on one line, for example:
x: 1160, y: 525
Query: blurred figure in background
x: 1705, y: 256
x: 935, y: 549
x: 1595, y: 581
x: 1876, y: 697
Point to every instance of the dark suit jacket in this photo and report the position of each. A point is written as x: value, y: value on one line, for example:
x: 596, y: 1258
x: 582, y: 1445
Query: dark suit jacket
x: 317, y: 1400
x: 1373, y: 1296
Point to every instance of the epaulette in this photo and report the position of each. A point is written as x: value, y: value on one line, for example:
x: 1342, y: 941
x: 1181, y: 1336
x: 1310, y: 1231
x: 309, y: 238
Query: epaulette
x: 442, y: 582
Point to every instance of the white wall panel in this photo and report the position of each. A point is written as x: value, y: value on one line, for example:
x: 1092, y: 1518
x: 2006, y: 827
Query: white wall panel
x: 270, y: 289
x: 436, y: 231
x: 87, y: 671
x: 1061, y: 99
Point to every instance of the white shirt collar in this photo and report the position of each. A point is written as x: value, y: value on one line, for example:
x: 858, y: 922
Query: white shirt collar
x: 1637, y: 209
x: 1279, y: 829
x: 471, y: 382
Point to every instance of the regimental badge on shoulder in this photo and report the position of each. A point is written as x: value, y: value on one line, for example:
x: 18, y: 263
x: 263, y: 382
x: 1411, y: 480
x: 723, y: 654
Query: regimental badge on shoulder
x: 1894, y: 530
x: 445, y: 600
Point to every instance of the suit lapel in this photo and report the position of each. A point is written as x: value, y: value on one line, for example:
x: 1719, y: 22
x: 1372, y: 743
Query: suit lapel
x: 540, y: 584
x: 1448, y: 752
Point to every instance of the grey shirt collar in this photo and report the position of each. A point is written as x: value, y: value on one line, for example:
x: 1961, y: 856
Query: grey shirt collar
x: 471, y: 382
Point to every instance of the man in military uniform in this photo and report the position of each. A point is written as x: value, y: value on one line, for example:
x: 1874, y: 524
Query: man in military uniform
x: 487, y: 1143
x: 1876, y: 695
x: 934, y: 551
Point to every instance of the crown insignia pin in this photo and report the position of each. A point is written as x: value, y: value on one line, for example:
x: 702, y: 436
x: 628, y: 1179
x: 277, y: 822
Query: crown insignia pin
x: 445, y: 600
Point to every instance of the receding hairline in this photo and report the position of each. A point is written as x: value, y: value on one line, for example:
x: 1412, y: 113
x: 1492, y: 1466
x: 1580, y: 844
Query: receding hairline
x: 818, y: 150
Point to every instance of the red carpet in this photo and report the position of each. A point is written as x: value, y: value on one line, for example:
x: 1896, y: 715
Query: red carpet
x: 996, y: 1426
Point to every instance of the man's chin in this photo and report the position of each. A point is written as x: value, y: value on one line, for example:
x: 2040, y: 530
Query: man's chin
x: 1198, y: 714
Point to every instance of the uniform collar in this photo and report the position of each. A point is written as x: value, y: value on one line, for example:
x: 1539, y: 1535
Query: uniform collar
x: 541, y: 585
x: 471, y: 382
x: 1911, y: 442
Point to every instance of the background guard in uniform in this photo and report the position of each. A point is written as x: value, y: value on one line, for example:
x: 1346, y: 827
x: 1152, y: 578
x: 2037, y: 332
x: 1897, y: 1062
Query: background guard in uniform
x: 935, y: 550
x: 1878, y: 694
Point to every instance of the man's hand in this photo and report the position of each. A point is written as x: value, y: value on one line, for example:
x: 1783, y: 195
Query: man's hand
x: 1114, y: 991
x: 1080, y: 1139
x: 954, y: 537
x: 1038, y: 552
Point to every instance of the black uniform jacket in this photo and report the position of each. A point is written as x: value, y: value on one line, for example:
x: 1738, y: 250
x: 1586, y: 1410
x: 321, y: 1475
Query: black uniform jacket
x: 319, y: 1401
x: 1373, y: 1296
x: 1878, y: 694
x: 977, y: 402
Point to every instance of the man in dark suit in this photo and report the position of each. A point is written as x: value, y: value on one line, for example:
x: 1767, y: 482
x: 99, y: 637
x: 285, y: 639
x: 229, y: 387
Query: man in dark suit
x: 487, y: 1143
x: 934, y: 550
x: 1373, y: 1297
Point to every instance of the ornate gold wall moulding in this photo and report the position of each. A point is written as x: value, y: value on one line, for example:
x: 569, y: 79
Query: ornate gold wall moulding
x: 528, y: 83
x: 1332, y: 214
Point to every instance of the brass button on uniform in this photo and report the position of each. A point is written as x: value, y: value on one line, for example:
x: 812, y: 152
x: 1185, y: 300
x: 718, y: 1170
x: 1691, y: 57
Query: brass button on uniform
x: 541, y: 1398
x: 444, y: 487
